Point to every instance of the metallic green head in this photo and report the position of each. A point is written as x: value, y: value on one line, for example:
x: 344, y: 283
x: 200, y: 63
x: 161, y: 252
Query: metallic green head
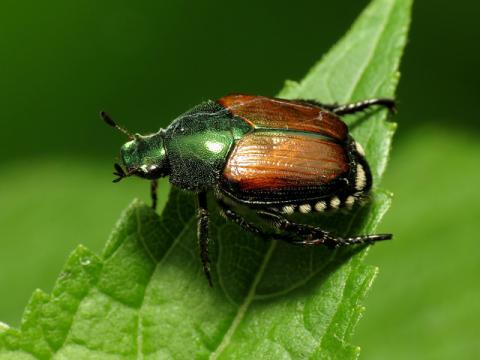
x: 142, y: 156
x: 145, y: 156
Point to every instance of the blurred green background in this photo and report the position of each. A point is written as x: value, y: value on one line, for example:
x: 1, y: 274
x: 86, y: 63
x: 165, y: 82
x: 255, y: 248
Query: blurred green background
x: 148, y: 61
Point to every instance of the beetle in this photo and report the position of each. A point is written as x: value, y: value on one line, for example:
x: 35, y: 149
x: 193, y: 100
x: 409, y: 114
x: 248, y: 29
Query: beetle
x: 274, y: 156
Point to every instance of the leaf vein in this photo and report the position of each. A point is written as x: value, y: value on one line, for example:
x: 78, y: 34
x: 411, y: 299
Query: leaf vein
x: 158, y: 264
x: 242, y: 310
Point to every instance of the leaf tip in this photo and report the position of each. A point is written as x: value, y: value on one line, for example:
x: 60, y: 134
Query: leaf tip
x: 38, y: 297
x: 82, y: 255
x: 81, y: 260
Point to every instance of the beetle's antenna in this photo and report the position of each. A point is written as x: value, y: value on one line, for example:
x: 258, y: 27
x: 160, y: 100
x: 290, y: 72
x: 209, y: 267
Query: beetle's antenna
x: 113, y: 124
x: 118, y: 172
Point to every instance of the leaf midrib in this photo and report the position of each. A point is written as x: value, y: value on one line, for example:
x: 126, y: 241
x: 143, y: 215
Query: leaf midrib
x: 242, y: 310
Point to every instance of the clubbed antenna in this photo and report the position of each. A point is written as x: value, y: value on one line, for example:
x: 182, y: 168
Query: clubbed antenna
x: 119, y: 172
x: 113, y: 124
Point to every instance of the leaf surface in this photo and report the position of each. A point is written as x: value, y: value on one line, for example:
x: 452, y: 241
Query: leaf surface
x: 146, y: 297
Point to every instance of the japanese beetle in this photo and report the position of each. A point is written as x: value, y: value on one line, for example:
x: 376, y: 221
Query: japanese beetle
x: 273, y: 155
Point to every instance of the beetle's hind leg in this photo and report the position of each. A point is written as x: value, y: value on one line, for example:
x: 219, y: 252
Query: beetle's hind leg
x: 357, y: 106
x: 297, y: 234
x: 313, y: 236
x: 202, y: 228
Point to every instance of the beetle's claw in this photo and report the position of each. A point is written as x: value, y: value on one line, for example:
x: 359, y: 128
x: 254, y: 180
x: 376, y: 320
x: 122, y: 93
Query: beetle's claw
x: 393, y: 108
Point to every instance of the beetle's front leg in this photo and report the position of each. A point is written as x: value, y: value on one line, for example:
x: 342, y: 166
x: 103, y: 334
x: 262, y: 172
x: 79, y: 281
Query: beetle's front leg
x: 202, y: 232
x: 153, y: 193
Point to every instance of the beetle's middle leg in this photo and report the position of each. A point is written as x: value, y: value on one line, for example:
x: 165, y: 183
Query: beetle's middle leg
x: 232, y: 215
x: 247, y: 225
x: 202, y: 229
x: 357, y: 106
x: 313, y: 236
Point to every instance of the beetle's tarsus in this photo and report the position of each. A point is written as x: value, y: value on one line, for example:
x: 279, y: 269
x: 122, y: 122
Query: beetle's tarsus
x: 335, y: 242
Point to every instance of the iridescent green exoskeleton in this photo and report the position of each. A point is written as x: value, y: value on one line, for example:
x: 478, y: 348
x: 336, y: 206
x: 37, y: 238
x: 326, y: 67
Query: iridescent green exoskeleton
x: 272, y: 155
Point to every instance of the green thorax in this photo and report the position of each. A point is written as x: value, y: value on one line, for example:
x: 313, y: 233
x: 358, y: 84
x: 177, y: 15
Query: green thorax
x: 198, y: 143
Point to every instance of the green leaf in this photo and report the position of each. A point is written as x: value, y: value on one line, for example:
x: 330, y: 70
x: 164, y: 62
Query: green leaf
x: 146, y: 297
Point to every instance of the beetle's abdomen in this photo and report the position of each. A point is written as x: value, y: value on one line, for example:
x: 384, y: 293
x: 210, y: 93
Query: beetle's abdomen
x: 272, y: 161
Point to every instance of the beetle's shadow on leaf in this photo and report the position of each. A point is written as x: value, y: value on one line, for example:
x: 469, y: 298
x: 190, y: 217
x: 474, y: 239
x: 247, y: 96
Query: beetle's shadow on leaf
x: 290, y: 270
x: 239, y: 259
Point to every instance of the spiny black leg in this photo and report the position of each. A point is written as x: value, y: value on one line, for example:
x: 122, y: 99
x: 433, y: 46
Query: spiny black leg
x: 354, y: 107
x: 238, y: 219
x: 202, y: 232
x: 153, y: 193
x: 365, y: 104
x: 246, y: 225
x: 303, y: 231
x: 311, y: 235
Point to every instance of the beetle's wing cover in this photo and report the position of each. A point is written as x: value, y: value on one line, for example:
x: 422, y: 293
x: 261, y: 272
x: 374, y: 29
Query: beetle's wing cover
x: 271, y: 113
x: 270, y: 161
